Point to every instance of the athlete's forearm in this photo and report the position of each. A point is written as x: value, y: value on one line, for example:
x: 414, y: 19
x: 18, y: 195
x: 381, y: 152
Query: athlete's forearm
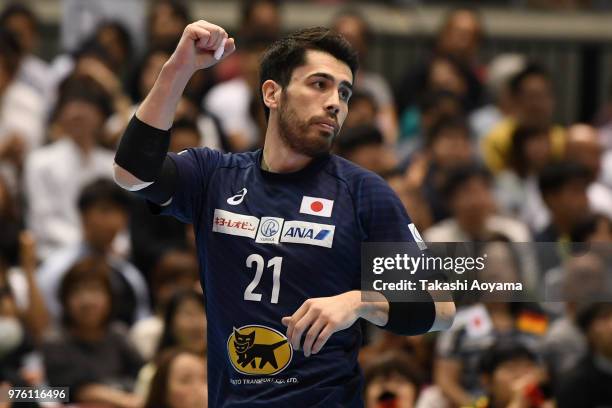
x: 373, y: 307
x: 159, y: 106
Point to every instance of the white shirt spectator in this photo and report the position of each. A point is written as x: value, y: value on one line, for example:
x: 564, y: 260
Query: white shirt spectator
x: 230, y: 102
x: 51, y: 273
x: 22, y: 111
x: 36, y: 73
x: 54, y: 177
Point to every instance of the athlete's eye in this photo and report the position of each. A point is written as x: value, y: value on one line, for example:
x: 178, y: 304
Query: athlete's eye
x: 319, y: 84
x: 345, y: 94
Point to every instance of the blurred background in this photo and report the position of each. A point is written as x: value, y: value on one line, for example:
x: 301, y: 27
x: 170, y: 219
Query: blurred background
x: 492, y: 120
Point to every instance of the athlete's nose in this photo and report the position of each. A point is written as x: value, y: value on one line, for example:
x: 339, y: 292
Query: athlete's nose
x: 333, y: 104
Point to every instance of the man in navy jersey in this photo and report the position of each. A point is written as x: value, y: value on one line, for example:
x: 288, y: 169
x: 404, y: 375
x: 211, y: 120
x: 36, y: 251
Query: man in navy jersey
x: 278, y: 230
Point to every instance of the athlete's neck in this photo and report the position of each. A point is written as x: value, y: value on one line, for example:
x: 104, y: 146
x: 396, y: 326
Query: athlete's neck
x: 277, y: 157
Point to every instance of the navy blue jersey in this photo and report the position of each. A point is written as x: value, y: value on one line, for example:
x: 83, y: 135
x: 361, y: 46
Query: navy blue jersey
x: 266, y: 243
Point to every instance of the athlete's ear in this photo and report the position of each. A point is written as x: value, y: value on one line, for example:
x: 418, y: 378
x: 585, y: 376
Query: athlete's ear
x: 271, y: 92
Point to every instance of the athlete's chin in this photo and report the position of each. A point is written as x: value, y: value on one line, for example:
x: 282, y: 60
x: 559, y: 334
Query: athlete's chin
x: 318, y: 145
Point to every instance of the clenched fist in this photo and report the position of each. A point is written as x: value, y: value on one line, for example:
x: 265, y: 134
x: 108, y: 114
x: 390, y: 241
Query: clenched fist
x: 197, y: 46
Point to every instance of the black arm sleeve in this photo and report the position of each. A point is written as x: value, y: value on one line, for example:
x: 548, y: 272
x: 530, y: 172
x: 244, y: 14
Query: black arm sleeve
x: 143, y: 152
x: 411, y: 318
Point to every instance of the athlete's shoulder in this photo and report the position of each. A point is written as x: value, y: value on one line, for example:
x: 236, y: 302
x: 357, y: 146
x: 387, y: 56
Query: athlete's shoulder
x: 216, y: 158
x: 357, y: 178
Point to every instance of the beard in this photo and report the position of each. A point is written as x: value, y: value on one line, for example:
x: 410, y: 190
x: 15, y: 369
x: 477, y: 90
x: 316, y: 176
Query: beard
x: 299, y: 134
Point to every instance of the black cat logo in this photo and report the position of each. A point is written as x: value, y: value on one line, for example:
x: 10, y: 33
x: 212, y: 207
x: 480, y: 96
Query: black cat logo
x: 257, y: 349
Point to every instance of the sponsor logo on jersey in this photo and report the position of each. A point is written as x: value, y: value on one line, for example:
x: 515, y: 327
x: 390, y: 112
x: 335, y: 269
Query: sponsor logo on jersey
x: 301, y: 232
x: 270, y: 229
x: 238, y: 198
x: 417, y: 237
x: 258, y: 350
x: 227, y: 222
x: 317, y: 206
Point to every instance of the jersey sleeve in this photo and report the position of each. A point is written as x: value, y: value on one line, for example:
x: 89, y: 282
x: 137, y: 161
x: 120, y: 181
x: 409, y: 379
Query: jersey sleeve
x: 194, y: 168
x: 382, y: 215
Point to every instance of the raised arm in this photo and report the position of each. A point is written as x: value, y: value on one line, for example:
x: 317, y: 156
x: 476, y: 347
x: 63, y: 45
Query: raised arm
x: 140, y: 163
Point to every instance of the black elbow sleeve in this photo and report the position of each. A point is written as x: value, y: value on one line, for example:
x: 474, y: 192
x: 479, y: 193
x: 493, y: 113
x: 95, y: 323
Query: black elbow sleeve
x: 142, y: 150
x: 164, y: 187
x: 412, y: 318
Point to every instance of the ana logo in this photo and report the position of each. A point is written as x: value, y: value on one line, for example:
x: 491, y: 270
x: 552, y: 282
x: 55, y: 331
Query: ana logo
x: 311, y: 233
x: 238, y: 198
x: 227, y: 222
x: 316, y: 206
x: 258, y: 350
x: 269, y: 230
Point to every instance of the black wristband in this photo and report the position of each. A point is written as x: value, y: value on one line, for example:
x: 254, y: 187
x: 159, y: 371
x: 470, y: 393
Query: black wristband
x: 412, y: 318
x: 142, y: 150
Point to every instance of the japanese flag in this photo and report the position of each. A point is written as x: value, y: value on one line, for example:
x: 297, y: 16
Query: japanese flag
x: 316, y: 206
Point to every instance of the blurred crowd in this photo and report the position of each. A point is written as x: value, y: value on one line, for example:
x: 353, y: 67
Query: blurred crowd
x: 99, y: 295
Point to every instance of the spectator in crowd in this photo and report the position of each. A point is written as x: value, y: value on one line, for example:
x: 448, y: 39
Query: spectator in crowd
x: 457, y: 43
x: 21, y: 279
x: 184, y: 323
x: 534, y: 102
x: 433, y: 106
x: 354, y: 27
x: 446, y: 145
x: 593, y: 228
x: 563, y: 187
x: 514, y: 376
x: 485, y: 319
x: 500, y: 70
x: 420, y: 349
x: 184, y: 326
x: 461, y: 36
x: 588, y: 384
x: 115, y: 39
x: 364, y: 145
x: 469, y: 194
x: 166, y: 22
x: 79, y: 116
x: 104, y: 213
x: 260, y: 17
x: 444, y: 75
x: 21, y: 112
x: 564, y: 345
x: 236, y: 103
x: 95, y: 63
x: 180, y: 381
x: 88, y: 355
x: 363, y: 110
x: 24, y: 24
x: 16, y: 339
x: 176, y: 270
x: 393, y: 379
x: 584, y: 147
x: 516, y: 188
x: 481, y: 325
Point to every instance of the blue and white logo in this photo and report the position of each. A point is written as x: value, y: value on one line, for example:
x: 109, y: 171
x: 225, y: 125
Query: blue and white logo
x: 269, y: 230
x: 310, y: 233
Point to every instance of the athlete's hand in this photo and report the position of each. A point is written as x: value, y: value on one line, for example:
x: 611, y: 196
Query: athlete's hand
x: 197, y: 46
x: 319, y: 318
